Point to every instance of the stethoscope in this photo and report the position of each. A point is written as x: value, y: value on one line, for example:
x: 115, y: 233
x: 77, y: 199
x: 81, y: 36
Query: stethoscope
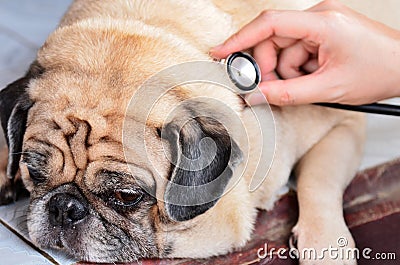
x: 245, y: 74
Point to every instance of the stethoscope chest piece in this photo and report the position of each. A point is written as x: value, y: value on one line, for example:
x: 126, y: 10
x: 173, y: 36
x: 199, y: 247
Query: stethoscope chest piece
x: 243, y: 71
x: 245, y: 74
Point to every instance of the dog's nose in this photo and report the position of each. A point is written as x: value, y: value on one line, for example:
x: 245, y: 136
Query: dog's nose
x: 66, y: 210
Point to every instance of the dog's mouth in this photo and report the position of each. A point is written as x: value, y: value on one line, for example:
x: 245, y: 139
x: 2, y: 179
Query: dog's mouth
x: 58, y: 242
x: 55, y: 238
x: 59, y: 238
x: 90, y: 240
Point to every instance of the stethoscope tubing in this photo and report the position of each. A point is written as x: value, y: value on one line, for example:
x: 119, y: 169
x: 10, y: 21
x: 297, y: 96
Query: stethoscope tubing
x: 374, y: 108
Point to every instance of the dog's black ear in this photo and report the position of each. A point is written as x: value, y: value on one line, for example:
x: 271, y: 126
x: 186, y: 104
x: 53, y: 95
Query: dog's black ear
x: 14, y: 107
x: 204, y: 156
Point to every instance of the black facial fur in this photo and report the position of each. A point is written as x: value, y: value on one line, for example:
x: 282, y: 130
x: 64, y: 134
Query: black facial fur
x: 14, y: 107
x: 36, y: 164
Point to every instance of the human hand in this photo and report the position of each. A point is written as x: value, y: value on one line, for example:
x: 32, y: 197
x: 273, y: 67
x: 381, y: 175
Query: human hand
x: 328, y: 53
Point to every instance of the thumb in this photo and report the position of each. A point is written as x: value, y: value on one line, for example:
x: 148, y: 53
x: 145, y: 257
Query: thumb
x: 296, y: 91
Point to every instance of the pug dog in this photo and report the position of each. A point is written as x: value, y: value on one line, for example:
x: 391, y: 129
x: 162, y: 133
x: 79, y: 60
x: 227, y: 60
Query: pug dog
x: 101, y: 198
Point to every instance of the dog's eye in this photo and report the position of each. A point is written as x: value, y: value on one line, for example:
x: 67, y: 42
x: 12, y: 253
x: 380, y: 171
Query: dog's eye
x: 35, y: 175
x: 127, y: 197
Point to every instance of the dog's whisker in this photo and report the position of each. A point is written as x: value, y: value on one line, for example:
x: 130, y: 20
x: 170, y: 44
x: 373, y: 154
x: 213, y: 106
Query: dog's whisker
x: 22, y: 153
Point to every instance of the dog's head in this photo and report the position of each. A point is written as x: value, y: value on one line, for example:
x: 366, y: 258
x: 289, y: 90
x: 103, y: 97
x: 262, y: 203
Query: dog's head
x: 64, y: 124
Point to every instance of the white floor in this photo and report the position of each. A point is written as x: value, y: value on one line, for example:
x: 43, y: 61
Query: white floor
x: 25, y: 24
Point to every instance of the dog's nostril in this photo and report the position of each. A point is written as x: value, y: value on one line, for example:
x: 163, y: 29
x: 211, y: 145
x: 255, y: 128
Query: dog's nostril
x: 66, y: 209
x: 55, y: 214
x: 76, y: 211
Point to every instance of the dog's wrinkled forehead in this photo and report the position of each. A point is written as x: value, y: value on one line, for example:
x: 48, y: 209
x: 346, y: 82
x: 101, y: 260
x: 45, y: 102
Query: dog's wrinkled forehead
x: 71, y: 148
x: 91, y: 73
x: 120, y: 55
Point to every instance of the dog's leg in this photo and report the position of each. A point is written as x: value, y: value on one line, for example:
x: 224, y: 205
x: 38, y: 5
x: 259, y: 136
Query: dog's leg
x: 323, y: 174
x: 9, y: 189
x: 6, y: 195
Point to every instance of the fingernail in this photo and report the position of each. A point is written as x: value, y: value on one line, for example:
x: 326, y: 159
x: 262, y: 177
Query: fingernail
x: 256, y: 99
x: 216, y: 48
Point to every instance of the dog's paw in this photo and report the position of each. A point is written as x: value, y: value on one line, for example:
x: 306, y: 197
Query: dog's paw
x: 323, y: 244
x: 6, y: 187
x: 10, y: 189
x: 7, y: 191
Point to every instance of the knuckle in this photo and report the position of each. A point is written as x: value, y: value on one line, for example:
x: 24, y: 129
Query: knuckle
x: 332, y: 19
x: 286, y: 98
x: 267, y: 14
x: 331, y: 13
x: 332, y: 3
x: 235, y: 38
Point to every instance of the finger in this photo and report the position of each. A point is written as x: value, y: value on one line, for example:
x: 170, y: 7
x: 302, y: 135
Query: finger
x: 286, y: 24
x: 291, y: 59
x: 269, y: 76
x: 311, y: 66
x: 281, y: 42
x: 266, y: 56
x: 301, y: 90
x: 327, y: 5
x: 257, y: 97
